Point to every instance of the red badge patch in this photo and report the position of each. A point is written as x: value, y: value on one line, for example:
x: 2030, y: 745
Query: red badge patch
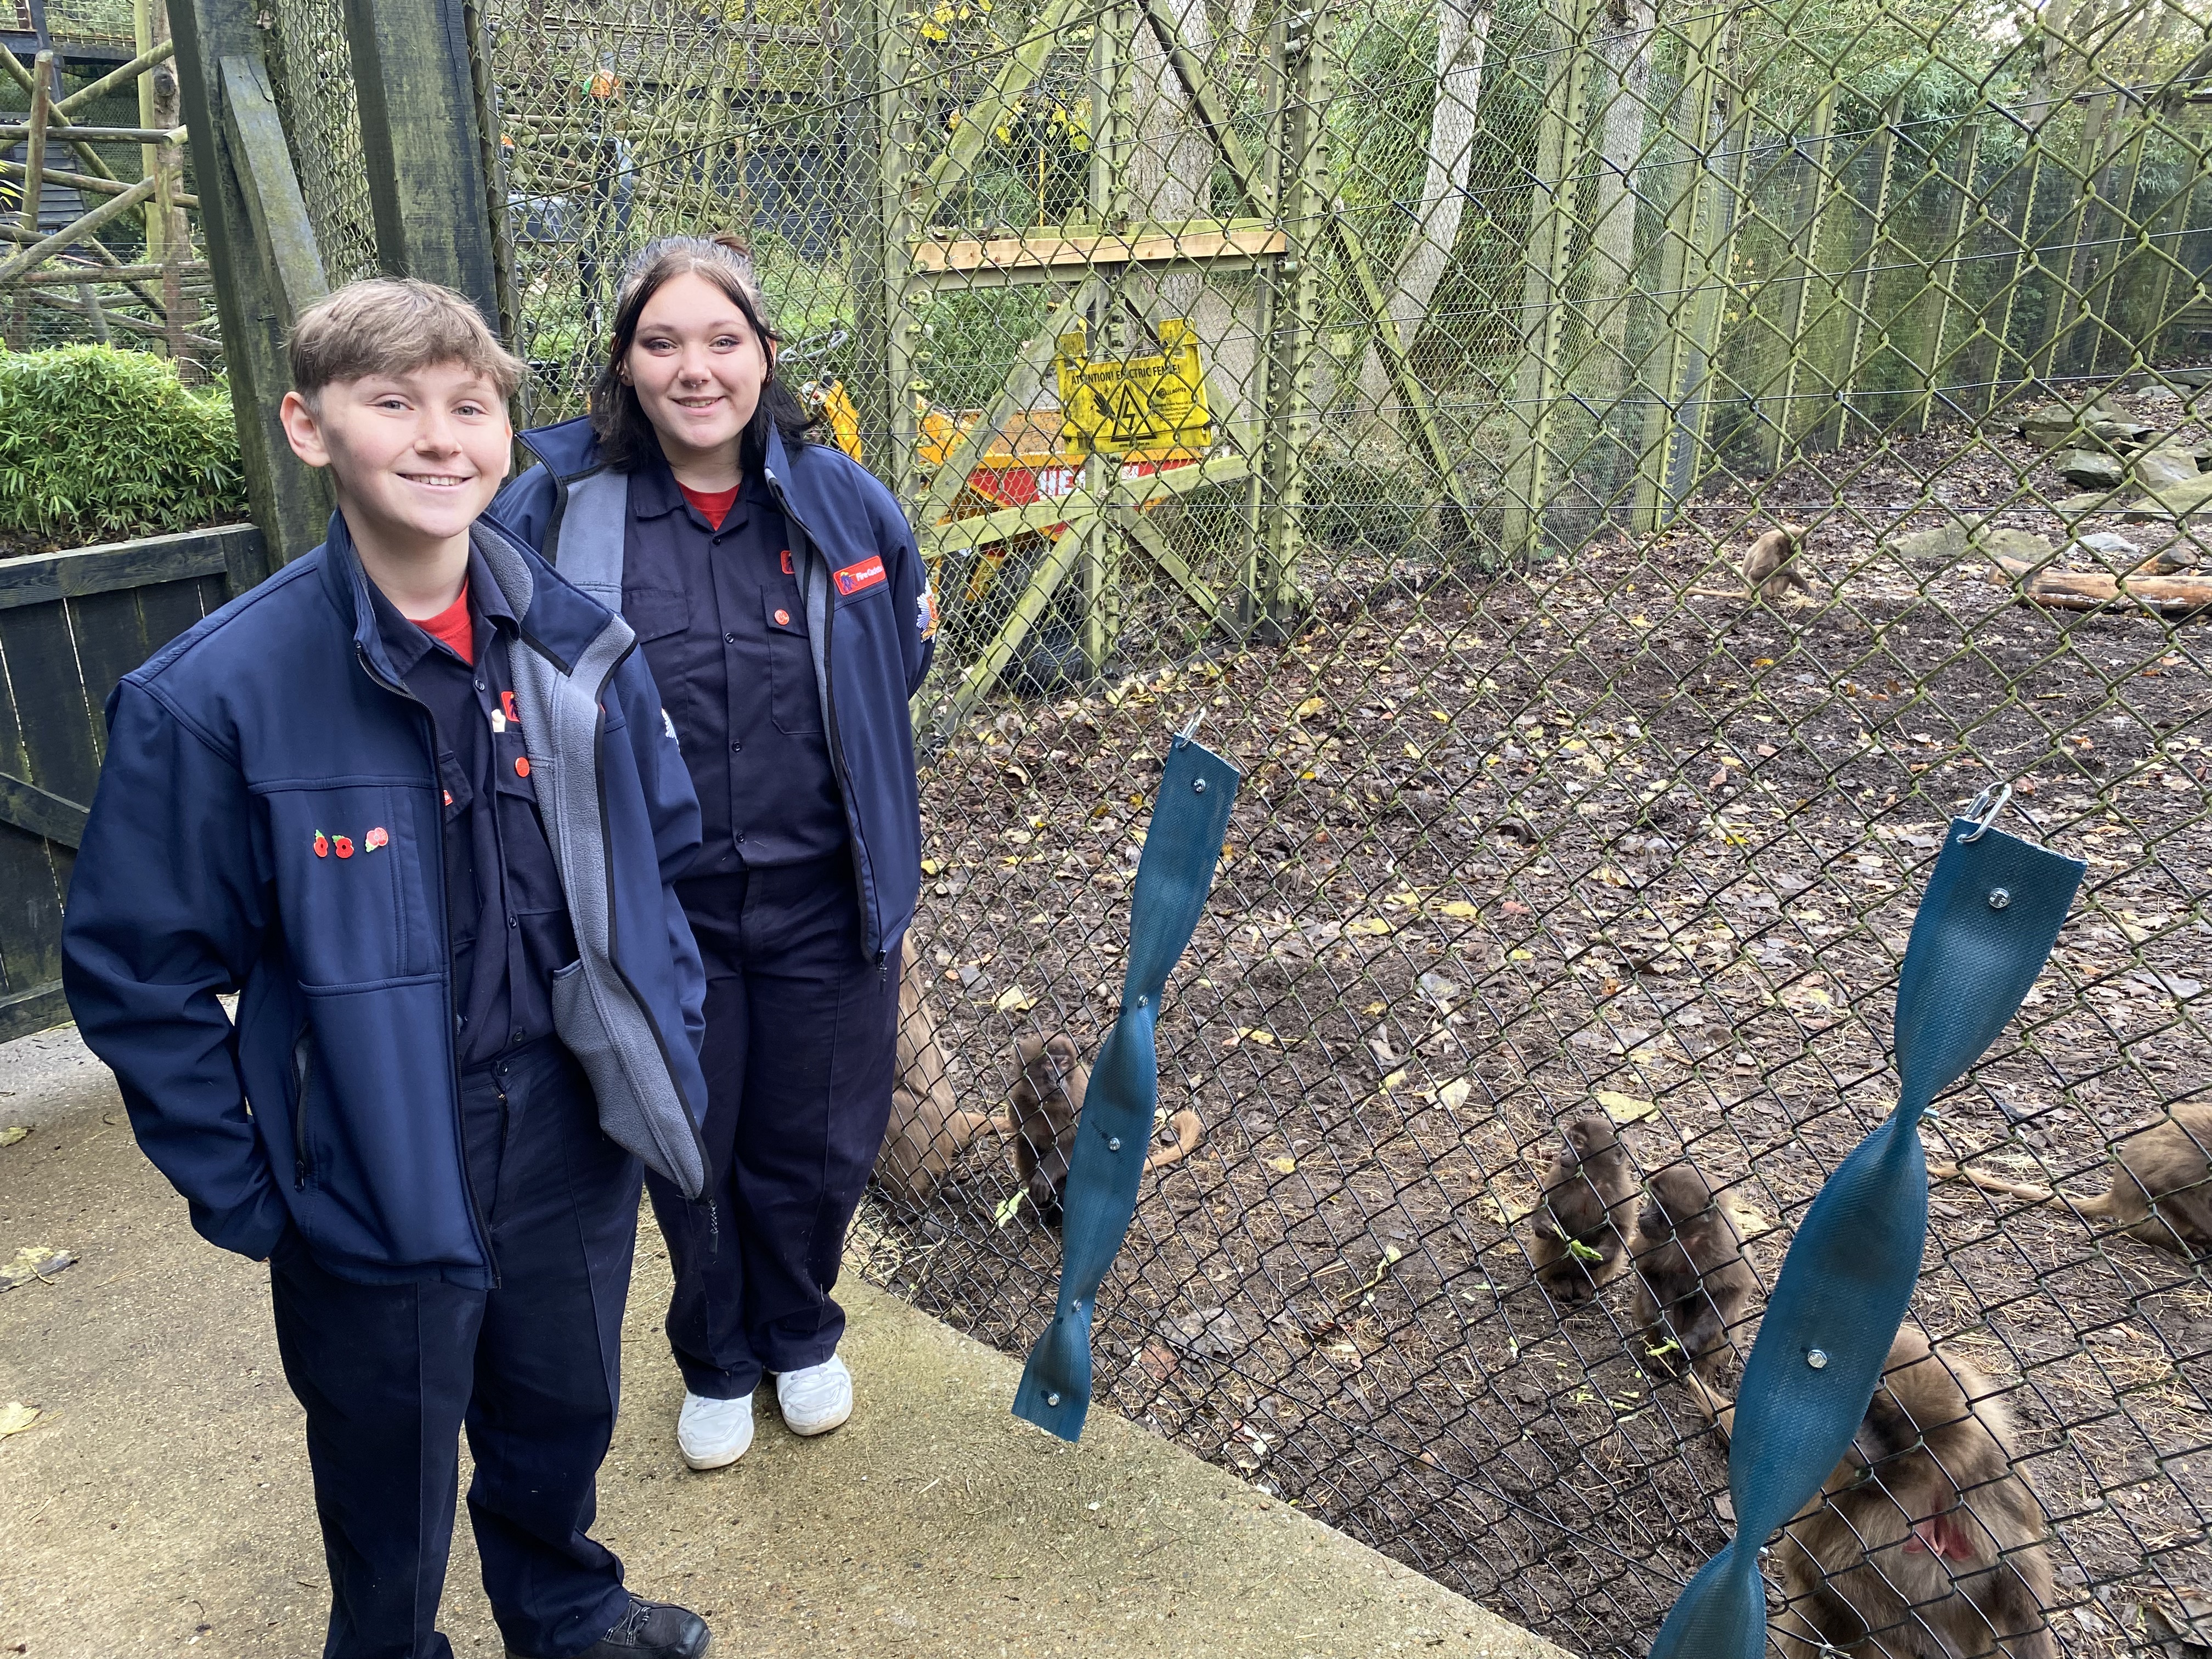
x: 342, y: 847
x: 376, y: 838
x: 787, y: 570
x: 858, y: 577
x: 783, y: 619
x: 322, y: 845
x: 522, y: 766
x: 507, y: 708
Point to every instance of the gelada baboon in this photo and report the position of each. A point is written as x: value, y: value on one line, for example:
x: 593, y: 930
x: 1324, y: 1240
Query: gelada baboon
x: 1046, y: 1106
x: 2161, y: 1192
x: 1774, y: 564
x: 1924, y: 1543
x: 1693, y: 1284
x: 928, y: 1132
x: 1582, y: 1223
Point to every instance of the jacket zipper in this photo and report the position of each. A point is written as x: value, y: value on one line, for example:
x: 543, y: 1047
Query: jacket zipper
x: 302, y: 1069
x: 452, y: 1060
x: 830, y: 699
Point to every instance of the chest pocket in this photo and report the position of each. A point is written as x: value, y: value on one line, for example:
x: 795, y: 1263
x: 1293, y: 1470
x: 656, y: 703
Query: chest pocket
x: 795, y: 700
x: 662, y: 620
x: 350, y: 884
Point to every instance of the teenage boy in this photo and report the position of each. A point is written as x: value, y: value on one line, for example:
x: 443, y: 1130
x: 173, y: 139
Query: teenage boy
x: 414, y: 800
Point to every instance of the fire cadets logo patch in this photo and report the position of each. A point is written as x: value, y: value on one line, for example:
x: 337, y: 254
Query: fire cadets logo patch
x: 925, y: 613
x: 858, y: 577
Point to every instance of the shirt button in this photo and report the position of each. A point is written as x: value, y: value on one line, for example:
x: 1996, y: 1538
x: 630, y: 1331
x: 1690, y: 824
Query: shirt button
x: 514, y: 922
x: 518, y: 1034
x: 737, y: 748
x: 729, y: 638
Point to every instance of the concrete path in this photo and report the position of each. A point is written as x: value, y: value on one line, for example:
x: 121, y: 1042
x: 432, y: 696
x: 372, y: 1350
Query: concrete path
x: 162, y: 1503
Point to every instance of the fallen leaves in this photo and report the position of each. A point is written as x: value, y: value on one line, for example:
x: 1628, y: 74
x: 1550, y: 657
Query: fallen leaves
x: 1014, y: 1000
x: 1625, y: 1109
x: 41, y: 1262
x: 1372, y: 926
x: 12, y: 1133
x: 16, y: 1416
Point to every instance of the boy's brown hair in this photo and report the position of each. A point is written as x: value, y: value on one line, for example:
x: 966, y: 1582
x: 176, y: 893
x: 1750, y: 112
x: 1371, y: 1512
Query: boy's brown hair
x: 394, y: 325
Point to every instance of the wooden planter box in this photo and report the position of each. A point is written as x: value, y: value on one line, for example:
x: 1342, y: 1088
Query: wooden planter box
x: 71, y: 625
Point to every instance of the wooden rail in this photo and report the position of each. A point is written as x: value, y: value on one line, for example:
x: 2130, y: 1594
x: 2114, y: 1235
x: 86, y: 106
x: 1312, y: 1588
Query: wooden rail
x: 74, y: 255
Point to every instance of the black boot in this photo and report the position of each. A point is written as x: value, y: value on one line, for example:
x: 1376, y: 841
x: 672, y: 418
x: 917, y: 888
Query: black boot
x: 651, y: 1629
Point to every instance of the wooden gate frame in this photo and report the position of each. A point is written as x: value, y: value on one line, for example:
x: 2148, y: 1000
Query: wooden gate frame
x: 1103, y: 521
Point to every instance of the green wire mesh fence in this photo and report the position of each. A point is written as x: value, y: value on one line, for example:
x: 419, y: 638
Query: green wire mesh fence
x: 1402, y: 386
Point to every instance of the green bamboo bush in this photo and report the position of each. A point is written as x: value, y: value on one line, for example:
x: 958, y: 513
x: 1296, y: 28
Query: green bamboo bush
x: 97, y: 443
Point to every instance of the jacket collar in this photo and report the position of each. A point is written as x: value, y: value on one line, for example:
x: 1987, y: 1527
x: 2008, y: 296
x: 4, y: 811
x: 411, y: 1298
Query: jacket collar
x: 551, y: 614
x: 569, y: 450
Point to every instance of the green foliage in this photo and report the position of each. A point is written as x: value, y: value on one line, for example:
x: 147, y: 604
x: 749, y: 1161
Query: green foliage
x: 96, y: 443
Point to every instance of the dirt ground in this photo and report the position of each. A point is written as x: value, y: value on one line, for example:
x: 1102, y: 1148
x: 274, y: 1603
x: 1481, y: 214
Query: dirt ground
x: 1509, y: 843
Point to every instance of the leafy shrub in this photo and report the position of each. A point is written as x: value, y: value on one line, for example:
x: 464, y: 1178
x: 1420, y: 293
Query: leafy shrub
x: 97, y: 443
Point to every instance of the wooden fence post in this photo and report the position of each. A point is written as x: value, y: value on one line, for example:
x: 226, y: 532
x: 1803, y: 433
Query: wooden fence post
x: 1709, y: 278
x: 422, y: 138
x: 1808, y: 209
x: 1862, y: 280
x: 290, y: 500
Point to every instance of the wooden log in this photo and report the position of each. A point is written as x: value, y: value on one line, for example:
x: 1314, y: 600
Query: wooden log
x: 86, y: 181
x: 18, y: 131
x: 2080, y: 590
x: 114, y: 208
x: 160, y: 53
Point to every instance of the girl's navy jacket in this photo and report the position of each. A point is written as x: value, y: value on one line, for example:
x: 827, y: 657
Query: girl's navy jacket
x: 870, y: 615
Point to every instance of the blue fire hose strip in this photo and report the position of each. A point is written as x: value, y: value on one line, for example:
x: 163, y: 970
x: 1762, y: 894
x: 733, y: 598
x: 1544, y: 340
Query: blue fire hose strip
x: 1173, y: 877
x: 1991, y: 913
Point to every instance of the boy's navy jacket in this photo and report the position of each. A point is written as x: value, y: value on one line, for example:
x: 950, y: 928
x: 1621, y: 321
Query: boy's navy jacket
x: 269, y: 821
x: 871, y: 623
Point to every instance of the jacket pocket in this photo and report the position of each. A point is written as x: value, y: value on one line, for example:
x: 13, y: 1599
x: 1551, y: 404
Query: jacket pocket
x: 351, y: 887
x: 794, y: 694
x: 303, y: 1088
x: 626, y: 1083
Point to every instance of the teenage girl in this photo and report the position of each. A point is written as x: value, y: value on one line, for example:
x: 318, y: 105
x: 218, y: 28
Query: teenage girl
x: 775, y: 590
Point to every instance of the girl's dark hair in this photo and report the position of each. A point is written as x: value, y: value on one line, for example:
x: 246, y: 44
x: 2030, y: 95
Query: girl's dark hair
x: 627, y: 437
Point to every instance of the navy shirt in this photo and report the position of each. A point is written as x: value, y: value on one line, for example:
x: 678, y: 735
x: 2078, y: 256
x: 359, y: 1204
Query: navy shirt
x: 719, y: 614
x: 506, y: 919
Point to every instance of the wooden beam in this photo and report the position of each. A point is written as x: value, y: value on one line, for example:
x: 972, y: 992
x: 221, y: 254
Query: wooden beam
x: 160, y: 53
x: 290, y: 500
x: 977, y: 123
x: 88, y: 182
x: 275, y: 207
x: 26, y: 806
x: 421, y: 137
x: 114, y: 208
x: 960, y: 534
x: 1206, y: 242
x: 57, y: 276
x: 18, y: 131
x: 42, y: 578
x: 1156, y: 548
x: 998, y: 656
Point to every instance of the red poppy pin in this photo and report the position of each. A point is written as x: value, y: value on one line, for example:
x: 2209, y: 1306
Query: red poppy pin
x: 342, y: 847
x: 375, y: 838
x: 322, y: 845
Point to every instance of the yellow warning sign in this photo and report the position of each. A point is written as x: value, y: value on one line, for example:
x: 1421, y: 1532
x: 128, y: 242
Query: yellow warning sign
x: 1116, y: 405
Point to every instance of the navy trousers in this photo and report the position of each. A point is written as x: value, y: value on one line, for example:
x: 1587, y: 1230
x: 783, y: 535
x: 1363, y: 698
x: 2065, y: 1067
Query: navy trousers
x: 390, y: 1374
x: 802, y: 1029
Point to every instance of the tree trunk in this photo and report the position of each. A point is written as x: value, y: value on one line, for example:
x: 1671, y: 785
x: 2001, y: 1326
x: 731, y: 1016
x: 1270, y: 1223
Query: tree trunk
x: 1463, y: 39
x: 1621, y: 87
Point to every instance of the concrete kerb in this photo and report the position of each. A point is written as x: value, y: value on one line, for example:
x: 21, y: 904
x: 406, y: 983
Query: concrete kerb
x: 163, y: 1504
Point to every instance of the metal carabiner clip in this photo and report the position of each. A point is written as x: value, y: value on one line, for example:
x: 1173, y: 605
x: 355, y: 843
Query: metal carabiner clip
x: 1983, y: 810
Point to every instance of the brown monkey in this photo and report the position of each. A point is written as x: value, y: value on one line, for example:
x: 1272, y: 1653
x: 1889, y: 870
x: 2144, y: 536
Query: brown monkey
x: 1772, y: 564
x: 1924, y: 1543
x: 928, y: 1132
x: 1691, y: 1281
x: 1047, y: 1102
x: 1582, y: 1225
x: 2161, y: 1194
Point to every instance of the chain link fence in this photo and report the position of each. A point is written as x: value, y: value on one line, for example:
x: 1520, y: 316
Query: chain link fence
x: 1400, y: 388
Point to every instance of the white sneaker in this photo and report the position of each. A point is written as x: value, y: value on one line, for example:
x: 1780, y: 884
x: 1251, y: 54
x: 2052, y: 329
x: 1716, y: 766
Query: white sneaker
x: 817, y: 1400
x: 713, y: 1434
